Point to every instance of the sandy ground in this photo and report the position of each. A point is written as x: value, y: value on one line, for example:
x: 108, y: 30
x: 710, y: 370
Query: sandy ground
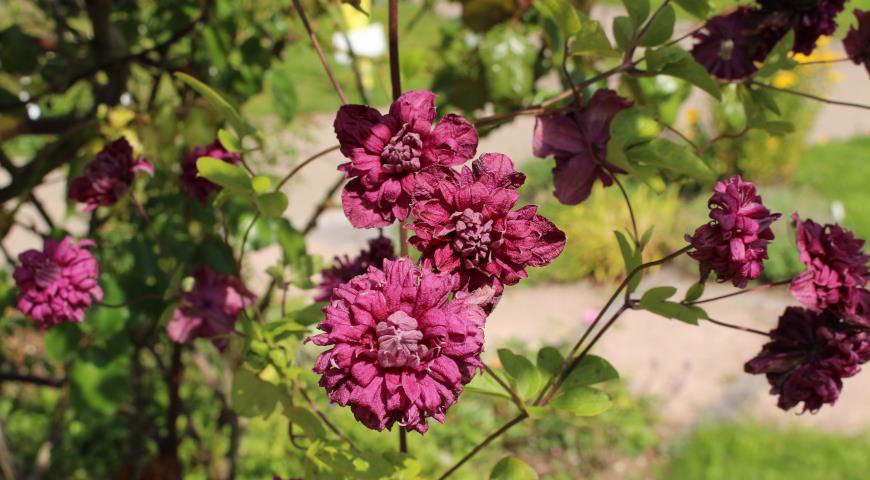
x: 694, y: 372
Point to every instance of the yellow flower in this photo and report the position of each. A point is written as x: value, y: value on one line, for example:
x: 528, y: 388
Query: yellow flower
x: 691, y: 116
x: 773, y: 143
x: 785, y: 79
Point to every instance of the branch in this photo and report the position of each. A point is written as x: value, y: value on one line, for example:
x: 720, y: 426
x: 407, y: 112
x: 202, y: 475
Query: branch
x: 32, y: 379
x: 480, y: 446
x: 395, y: 72
x: 513, y: 393
x: 304, y: 164
x: 321, y: 207
x: 316, y: 44
x: 738, y: 327
x: 739, y: 292
x: 810, y: 96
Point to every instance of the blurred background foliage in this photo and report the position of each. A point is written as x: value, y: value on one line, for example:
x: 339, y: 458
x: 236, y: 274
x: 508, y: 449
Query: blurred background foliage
x: 74, y: 73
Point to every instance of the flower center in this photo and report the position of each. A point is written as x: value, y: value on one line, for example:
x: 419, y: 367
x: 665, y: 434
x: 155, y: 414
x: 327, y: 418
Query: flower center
x: 46, y: 273
x: 402, y: 154
x: 473, y: 237
x: 399, y: 341
x: 726, y: 49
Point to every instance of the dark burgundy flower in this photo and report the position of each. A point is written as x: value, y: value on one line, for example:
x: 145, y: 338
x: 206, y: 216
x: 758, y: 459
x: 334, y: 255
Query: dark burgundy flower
x: 836, y: 276
x: 345, y: 268
x: 402, y: 348
x: 857, y: 41
x: 387, y: 151
x: 578, y: 142
x: 808, y: 356
x: 59, y: 283
x: 210, y: 309
x: 464, y: 225
x: 108, y: 177
x: 194, y: 185
x: 734, y: 243
x: 810, y: 19
x: 729, y: 45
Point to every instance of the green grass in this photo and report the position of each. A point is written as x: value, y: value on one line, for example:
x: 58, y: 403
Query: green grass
x: 840, y: 172
x: 760, y: 452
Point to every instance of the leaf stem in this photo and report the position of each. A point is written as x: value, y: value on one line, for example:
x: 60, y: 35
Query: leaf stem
x: 395, y: 73
x: 810, y: 96
x: 739, y: 292
x: 513, y: 393
x: 480, y: 446
x: 737, y: 327
x: 305, y: 163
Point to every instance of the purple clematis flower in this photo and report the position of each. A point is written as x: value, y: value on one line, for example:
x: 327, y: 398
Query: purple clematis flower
x: 734, y: 243
x: 810, y: 19
x: 857, y: 41
x: 578, y: 142
x: 730, y: 45
x: 344, y: 268
x: 387, y: 151
x: 108, y: 177
x: 808, y: 356
x: 401, y: 348
x: 58, y: 284
x: 836, y: 276
x: 465, y: 226
x: 199, y: 187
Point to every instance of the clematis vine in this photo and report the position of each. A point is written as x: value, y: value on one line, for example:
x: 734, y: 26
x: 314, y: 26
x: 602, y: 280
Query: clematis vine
x: 465, y: 225
x: 730, y: 45
x: 401, y: 347
x: 58, y: 284
x: 194, y: 185
x: 210, y: 309
x: 108, y: 176
x: 578, y: 142
x: 808, y: 356
x: 836, y: 276
x: 387, y: 152
x: 734, y: 243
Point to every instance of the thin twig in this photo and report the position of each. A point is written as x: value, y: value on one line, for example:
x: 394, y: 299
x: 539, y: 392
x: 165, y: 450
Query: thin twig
x: 302, y: 165
x: 480, y: 446
x: 810, y: 96
x: 739, y: 292
x: 321, y: 207
x: 32, y: 379
x: 720, y: 137
x: 824, y: 62
x: 513, y: 394
x: 638, y: 36
x: 245, y: 242
x: 679, y: 134
x: 738, y: 327
x: 323, y: 417
x: 316, y: 44
x: 630, y: 209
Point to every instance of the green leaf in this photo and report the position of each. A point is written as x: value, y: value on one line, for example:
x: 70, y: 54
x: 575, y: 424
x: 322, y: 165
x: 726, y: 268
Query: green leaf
x: 592, y: 369
x: 229, y: 140
x: 512, y: 468
x: 307, y: 421
x: 656, y: 295
x: 765, y: 98
x: 660, y: 29
x: 284, y: 96
x: 62, y: 340
x: 272, y: 204
x: 253, y: 397
x: 562, y: 13
x: 508, y: 56
x: 102, y: 323
x: 694, y: 292
x: 227, y: 175
x: 261, y: 184
x: 646, y: 237
x: 216, y: 100
x: 549, y: 360
x: 590, y: 40
x: 668, y: 155
x: 308, y: 315
x: 486, y: 385
x: 777, y: 127
x: 676, y: 62
x: 632, y: 258
x: 19, y: 52
x: 295, y: 252
x: 698, y: 8
x: 525, y: 377
x: 684, y: 313
x: 733, y: 109
x: 623, y: 30
x: 638, y: 11
x: 581, y: 401
x: 98, y: 380
x: 779, y: 58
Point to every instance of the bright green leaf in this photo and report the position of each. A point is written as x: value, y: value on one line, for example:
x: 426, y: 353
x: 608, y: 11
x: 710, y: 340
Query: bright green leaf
x: 261, y: 184
x: 512, y: 468
x: 623, y: 30
x: 638, y: 11
x: 581, y: 401
x: 229, y: 140
x: 217, y: 101
x: 660, y: 29
x: 590, y: 39
x: 272, y: 204
x: 61, y: 340
x: 307, y: 421
x: 253, y: 397
x: 698, y: 8
x: 685, y: 313
x: 656, y: 295
x: 227, y: 175
x: 676, y: 62
x: 694, y: 292
x: 592, y: 370
x: 526, y: 378
x: 668, y: 155
x: 549, y: 360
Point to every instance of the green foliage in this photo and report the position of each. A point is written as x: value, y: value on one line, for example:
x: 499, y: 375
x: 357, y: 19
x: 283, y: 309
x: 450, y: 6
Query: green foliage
x: 752, y: 450
x: 512, y: 468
